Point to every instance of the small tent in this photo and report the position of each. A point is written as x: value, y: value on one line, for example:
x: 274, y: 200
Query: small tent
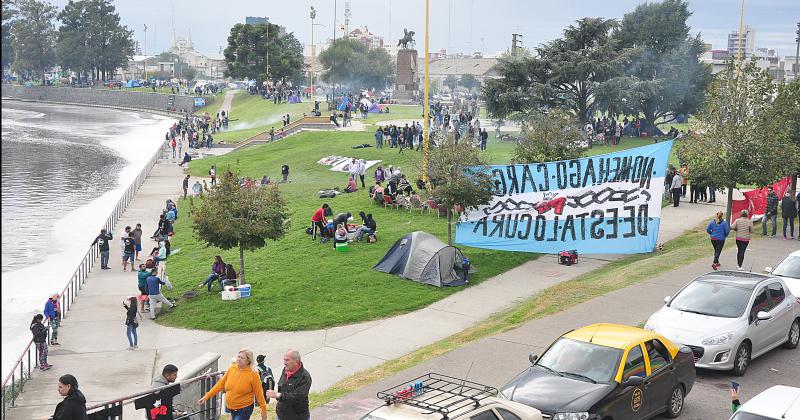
x: 422, y: 257
x: 132, y: 84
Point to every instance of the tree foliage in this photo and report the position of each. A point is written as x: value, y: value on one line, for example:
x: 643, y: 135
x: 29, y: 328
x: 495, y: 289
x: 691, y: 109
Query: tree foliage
x: 350, y: 63
x: 182, y: 69
x: 9, y: 14
x: 458, y: 175
x: 451, y: 81
x: 233, y: 216
x: 743, y: 143
x: 786, y: 110
x: 33, y: 38
x: 469, y: 81
x: 567, y: 72
x: 549, y: 137
x: 252, y: 47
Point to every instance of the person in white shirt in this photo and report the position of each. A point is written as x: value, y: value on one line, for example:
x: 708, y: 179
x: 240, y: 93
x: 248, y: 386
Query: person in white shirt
x: 677, y: 181
x: 362, y: 171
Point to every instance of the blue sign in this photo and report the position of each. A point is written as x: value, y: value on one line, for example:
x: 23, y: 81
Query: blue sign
x: 605, y: 204
x: 199, y: 102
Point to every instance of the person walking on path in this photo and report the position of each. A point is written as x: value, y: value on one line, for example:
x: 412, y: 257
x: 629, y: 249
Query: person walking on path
x: 293, y: 387
x: 213, y: 174
x: 770, y: 212
x: 788, y: 213
x: 73, y: 406
x: 743, y: 231
x: 39, y: 332
x: 185, y: 186
x: 362, y: 171
x: 668, y: 183
x: 52, y: 311
x: 154, y: 292
x: 137, y: 239
x: 242, y: 386
x: 131, y: 322
x: 265, y: 374
x: 174, y: 144
x: 718, y: 231
x: 677, y: 181
x: 102, y: 245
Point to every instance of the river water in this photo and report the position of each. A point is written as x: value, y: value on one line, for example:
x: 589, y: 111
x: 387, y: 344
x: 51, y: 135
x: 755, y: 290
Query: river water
x: 63, y: 170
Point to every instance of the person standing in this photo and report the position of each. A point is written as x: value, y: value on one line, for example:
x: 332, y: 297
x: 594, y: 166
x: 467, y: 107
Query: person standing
x: 484, y: 139
x: 213, y: 174
x: 242, y: 386
x: 39, y: 332
x: 293, y: 387
x: 788, y: 213
x: 362, y: 172
x: 379, y: 138
x: 52, y: 311
x: 174, y: 144
x: 73, y: 406
x: 137, y: 239
x: 718, y: 231
x: 265, y: 374
x: 743, y: 229
x: 197, y: 188
x: 770, y: 212
x: 131, y: 322
x: 128, y: 250
x: 154, y: 292
x: 677, y: 181
x: 668, y: 183
x: 102, y: 245
x: 684, y: 179
x: 185, y: 186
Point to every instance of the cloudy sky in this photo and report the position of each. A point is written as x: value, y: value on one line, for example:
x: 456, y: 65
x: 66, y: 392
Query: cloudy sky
x: 456, y: 25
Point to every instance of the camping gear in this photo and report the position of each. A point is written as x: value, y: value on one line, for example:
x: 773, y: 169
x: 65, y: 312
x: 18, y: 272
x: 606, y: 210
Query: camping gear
x: 231, y: 295
x: 342, y: 246
x: 568, y: 257
x: 423, y: 258
x: 244, y: 291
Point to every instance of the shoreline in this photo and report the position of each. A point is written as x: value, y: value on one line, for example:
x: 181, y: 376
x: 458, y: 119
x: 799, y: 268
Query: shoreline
x: 74, y: 231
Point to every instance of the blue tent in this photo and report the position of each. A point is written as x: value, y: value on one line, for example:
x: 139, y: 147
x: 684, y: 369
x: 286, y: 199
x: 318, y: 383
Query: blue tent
x: 344, y: 103
x: 132, y: 83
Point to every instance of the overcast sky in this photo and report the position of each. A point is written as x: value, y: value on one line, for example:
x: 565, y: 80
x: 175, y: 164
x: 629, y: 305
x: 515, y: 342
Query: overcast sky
x: 457, y: 25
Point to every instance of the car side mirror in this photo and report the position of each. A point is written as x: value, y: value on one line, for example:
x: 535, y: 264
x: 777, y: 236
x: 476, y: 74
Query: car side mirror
x: 767, y: 269
x: 533, y: 358
x: 633, y: 381
x: 763, y: 316
x: 667, y: 298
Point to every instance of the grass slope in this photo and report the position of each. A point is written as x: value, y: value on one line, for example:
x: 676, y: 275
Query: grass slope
x: 251, y: 115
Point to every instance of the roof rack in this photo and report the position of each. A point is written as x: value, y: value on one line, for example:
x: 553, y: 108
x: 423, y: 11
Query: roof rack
x: 438, y: 394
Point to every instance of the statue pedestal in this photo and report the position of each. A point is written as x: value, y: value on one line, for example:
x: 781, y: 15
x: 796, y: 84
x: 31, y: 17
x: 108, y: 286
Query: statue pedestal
x: 406, y: 75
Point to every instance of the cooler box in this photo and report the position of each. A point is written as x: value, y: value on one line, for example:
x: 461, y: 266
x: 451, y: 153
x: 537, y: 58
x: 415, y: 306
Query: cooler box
x: 342, y: 246
x: 244, y: 291
x: 231, y: 295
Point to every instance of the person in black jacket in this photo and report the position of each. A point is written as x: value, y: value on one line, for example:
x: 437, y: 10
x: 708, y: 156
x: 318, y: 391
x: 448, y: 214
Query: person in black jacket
x: 73, y: 407
x: 102, y: 239
x: 39, y: 332
x: 788, y: 212
x: 293, y: 387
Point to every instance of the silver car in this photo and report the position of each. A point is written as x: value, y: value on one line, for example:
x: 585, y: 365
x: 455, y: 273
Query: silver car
x: 789, y: 271
x: 728, y: 318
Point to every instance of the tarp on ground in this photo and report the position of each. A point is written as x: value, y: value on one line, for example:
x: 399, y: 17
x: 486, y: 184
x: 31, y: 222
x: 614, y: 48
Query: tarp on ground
x: 132, y: 84
x: 344, y: 165
x: 376, y: 108
x: 424, y: 258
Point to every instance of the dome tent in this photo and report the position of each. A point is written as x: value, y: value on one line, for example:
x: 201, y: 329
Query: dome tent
x: 422, y: 257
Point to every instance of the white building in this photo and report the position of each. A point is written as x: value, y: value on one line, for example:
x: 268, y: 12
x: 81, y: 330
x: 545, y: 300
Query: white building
x: 206, y: 66
x: 748, y: 41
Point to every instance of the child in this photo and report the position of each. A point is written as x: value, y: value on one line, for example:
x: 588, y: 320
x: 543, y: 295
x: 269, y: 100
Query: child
x: 265, y: 373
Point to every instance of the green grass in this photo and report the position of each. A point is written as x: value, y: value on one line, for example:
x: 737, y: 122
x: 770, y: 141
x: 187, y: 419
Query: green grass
x: 251, y: 115
x: 613, y: 276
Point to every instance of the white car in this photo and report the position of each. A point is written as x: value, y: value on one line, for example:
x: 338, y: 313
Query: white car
x: 728, y: 318
x: 789, y: 270
x: 776, y: 403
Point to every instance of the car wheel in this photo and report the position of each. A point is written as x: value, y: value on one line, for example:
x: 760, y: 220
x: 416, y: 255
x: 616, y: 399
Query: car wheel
x: 675, y: 403
x: 741, y: 360
x: 794, y: 335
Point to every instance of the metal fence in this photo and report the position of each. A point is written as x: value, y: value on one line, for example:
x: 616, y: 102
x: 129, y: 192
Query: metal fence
x: 14, y: 382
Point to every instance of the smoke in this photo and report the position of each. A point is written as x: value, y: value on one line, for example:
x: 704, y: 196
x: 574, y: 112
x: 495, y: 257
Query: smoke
x: 270, y: 119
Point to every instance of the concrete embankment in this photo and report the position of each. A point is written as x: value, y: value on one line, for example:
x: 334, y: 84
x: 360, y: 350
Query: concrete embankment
x: 142, y: 101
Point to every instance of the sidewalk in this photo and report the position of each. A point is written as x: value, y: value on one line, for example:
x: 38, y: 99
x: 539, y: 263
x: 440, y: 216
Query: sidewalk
x: 94, y: 347
x: 496, y: 359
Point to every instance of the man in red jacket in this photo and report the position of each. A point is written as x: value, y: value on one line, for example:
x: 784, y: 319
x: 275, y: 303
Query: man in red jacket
x: 318, y: 221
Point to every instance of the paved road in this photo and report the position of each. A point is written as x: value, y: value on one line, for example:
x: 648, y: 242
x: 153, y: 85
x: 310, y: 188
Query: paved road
x: 496, y: 359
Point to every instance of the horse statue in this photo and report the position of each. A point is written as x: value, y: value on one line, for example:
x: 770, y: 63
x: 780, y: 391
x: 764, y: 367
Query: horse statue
x: 408, y: 38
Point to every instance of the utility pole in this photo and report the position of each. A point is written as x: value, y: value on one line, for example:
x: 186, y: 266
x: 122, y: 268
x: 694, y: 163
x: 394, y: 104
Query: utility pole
x: 426, y: 104
x: 516, y: 40
x: 313, y: 16
x: 333, y: 59
x: 145, y: 53
x: 796, y: 70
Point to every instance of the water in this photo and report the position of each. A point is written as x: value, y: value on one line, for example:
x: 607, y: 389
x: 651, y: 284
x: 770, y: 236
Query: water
x: 63, y: 170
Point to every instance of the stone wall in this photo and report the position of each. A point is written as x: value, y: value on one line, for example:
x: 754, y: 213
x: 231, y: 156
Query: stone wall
x: 100, y: 97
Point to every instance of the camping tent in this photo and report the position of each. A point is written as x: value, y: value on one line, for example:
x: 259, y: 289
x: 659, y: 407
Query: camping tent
x: 132, y: 84
x: 422, y: 257
x: 376, y: 108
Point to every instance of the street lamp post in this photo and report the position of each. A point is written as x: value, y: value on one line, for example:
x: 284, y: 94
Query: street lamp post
x: 145, y: 53
x: 426, y: 102
x: 313, y: 16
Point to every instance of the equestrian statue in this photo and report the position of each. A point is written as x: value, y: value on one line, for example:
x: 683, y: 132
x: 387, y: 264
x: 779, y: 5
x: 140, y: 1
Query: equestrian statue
x: 408, y: 38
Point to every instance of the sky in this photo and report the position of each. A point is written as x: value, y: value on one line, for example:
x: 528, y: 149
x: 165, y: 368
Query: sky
x: 464, y: 26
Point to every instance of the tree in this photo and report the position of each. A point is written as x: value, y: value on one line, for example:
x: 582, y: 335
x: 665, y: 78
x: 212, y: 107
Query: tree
x: 252, y: 48
x: 664, y: 76
x: 786, y: 111
x: 549, y: 137
x: 353, y: 64
x: 458, y: 177
x: 451, y: 81
x: 181, y: 67
x: 33, y: 38
x: 469, y: 81
x: 743, y: 143
x: 567, y: 72
x: 233, y: 216
x: 8, y: 16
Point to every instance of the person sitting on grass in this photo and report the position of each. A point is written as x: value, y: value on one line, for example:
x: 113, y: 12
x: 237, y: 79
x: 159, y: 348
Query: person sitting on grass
x: 229, y: 278
x: 403, y: 186
x: 217, y: 271
x: 186, y: 159
x: 367, y: 228
x: 351, y: 185
x: 340, y: 237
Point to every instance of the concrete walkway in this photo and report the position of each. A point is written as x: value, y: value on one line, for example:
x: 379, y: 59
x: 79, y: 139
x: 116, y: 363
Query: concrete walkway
x: 226, y: 103
x: 496, y: 359
x: 94, y: 347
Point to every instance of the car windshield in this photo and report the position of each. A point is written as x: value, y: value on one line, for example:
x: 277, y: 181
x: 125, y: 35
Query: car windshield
x: 790, y: 267
x: 577, y: 358
x: 712, y: 299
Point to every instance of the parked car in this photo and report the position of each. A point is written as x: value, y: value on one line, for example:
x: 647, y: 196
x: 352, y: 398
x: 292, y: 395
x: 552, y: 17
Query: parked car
x: 728, y: 318
x: 114, y: 83
x: 436, y: 397
x: 776, y: 403
x: 606, y: 371
x: 788, y: 270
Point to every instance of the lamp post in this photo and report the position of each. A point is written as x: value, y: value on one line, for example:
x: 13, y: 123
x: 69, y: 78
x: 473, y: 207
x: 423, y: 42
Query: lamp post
x: 313, y: 15
x: 145, y: 53
x: 426, y: 102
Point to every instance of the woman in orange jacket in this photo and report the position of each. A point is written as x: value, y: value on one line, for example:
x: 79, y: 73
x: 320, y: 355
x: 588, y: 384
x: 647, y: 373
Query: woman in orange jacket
x: 242, y: 386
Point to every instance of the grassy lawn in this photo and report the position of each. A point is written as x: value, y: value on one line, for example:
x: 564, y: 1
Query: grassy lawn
x: 251, y: 115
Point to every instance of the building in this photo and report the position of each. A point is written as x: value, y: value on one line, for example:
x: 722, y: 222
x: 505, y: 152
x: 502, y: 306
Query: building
x: 748, y: 42
x: 481, y: 68
x: 363, y: 35
x: 256, y: 20
x: 206, y: 66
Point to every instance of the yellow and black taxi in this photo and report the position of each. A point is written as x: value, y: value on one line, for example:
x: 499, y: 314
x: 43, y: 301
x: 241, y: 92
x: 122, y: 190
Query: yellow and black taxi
x: 606, y: 372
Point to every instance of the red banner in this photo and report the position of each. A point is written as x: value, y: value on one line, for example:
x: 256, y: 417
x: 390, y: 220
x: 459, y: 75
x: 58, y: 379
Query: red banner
x: 755, y: 201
